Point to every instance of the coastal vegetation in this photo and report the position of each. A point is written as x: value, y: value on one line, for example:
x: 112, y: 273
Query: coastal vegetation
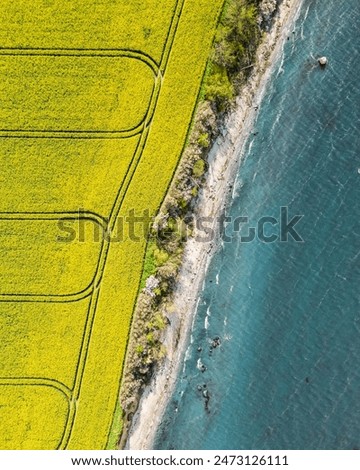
x: 236, y: 40
x: 96, y: 115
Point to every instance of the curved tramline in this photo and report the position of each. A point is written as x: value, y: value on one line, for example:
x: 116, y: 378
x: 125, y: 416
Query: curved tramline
x: 96, y: 101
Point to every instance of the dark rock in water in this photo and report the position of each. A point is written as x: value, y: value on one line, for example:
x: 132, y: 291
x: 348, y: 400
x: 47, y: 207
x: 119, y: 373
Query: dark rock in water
x: 199, y: 349
x: 204, y: 386
x: 199, y: 387
x: 206, y: 396
x: 307, y: 380
x: 215, y: 342
x: 203, y: 368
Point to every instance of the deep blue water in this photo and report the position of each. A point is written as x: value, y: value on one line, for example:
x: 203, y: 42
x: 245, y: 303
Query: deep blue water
x: 287, y: 372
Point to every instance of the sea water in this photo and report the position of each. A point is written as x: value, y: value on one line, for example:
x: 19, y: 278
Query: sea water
x: 286, y: 374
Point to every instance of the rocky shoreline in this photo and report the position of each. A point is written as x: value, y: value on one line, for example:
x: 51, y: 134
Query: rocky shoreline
x: 145, y: 405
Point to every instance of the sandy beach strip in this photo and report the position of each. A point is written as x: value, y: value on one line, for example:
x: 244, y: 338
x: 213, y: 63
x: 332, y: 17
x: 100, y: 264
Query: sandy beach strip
x: 224, y: 160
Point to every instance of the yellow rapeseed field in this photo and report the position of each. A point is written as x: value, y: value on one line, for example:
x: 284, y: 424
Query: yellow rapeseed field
x: 96, y: 99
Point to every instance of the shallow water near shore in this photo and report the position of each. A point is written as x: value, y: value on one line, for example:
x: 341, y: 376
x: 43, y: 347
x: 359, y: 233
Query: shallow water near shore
x: 287, y: 372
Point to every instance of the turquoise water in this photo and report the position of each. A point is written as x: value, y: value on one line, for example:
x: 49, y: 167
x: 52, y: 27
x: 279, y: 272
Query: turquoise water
x: 287, y: 372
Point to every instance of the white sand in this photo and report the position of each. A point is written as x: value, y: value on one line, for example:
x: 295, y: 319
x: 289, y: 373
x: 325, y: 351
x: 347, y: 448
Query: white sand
x: 223, y: 167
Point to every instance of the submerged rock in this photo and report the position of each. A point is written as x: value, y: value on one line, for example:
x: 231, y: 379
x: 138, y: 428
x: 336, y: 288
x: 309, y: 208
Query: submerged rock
x: 215, y: 342
x: 206, y: 396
